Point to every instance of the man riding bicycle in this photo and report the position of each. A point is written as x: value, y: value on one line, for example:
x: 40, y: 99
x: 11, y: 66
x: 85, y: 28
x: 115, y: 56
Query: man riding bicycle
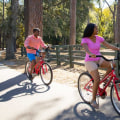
x: 32, y: 43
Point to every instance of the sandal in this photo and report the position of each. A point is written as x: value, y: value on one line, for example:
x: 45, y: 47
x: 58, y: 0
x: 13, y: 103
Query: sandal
x: 94, y: 104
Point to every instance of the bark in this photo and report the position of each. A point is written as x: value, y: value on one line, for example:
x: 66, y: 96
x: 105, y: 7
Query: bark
x: 0, y: 39
x: 3, y: 35
x: 73, y: 22
x: 11, y: 43
x: 35, y: 16
x: 26, y: 16
x: 118, y: 23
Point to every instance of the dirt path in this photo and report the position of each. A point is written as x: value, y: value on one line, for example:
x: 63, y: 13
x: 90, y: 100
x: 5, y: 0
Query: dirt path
x: 61, y: 74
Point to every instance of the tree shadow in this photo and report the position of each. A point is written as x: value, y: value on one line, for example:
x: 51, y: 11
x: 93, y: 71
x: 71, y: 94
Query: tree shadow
x: 12, y: 82
x: 19, y: 86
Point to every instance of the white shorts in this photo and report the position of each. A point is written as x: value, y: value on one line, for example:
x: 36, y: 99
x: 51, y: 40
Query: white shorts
x: 93, y: 65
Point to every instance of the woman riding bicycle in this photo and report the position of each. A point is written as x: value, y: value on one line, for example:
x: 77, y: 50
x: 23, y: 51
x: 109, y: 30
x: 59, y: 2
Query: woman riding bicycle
x: 91, y: 43
x: 33, y: 43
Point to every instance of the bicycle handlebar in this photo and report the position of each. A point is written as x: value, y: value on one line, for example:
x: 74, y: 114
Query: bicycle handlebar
x: 37, y: 49
x: 106, y: 58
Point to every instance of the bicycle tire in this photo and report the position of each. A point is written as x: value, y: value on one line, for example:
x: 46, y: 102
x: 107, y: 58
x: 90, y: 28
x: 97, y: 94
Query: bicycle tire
x: 114, y: 100
x: 85, y: 92
x: 46, y: 73
x: 27, y: 68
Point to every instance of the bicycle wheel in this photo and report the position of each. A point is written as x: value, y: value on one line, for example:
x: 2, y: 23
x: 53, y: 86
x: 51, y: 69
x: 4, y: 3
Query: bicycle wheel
x: 85, y: 84
x: 46, y: 73
x: 113, y: 96
x: 27, y: 68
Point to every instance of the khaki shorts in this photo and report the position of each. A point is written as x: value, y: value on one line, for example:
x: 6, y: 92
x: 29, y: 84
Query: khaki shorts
x: 93, y: 65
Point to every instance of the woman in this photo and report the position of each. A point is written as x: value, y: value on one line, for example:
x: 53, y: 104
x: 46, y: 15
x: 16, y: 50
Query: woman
x: 91, y: 43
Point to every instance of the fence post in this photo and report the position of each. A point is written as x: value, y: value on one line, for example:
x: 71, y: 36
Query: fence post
x: 117, y: 63
x: 22, y: 51
x: 58, y: 54
x: 25, y: 53
x: 70, y: 56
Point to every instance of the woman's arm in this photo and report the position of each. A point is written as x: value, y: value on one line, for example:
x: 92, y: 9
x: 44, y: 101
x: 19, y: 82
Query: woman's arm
x: 87, y: 50
x: 106, y: 44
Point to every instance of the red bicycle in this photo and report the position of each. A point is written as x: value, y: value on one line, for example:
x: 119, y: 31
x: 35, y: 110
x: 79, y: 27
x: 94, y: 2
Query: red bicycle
x: 41, y: 68
x: 85, y: 85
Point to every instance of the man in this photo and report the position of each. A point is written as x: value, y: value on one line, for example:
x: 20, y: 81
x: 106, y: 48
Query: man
x: 32, y: 43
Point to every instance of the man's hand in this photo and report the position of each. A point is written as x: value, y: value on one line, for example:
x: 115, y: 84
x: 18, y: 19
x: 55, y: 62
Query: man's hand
x: 31, y: 48
x: 46, y: 46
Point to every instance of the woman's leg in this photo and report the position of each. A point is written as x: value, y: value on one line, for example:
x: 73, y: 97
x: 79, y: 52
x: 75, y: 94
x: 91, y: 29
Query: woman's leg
x: 107, y: 65
x: 92, y: 67
x: 96, y: 77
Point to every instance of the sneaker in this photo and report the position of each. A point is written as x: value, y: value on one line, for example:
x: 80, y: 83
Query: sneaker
x: 94, y: 104
x: 30, y: 77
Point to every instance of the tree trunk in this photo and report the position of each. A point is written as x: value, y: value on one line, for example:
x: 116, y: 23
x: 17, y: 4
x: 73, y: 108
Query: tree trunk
x: 73, y: 22
x: 3, y: 34
x: 0, y: 38
x: 118, y: 23
x: 26, y: 16
x: 11, y: 43
x: 34, y: 9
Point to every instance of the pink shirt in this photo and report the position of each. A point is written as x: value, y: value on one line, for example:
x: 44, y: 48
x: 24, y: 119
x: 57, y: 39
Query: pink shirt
x: 32, y: 41
x: 93, y: 47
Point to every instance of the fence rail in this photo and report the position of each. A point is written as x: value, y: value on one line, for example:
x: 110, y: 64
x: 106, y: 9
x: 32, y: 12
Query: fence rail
x: 73, y: 55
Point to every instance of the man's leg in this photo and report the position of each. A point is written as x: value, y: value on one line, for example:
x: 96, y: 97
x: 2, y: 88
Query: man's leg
x: 33, y: 62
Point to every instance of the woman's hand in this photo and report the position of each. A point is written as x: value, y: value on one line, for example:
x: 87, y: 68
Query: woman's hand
x: 93, y: 56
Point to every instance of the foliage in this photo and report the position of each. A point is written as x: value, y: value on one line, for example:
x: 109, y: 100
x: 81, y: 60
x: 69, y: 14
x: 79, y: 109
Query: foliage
x: 56, y: 20
x: 20, y: 27
x: 103, y: 19
x: 6, y: 24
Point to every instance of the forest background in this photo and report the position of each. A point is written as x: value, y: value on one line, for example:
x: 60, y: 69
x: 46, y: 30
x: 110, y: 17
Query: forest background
x: 56, y: 21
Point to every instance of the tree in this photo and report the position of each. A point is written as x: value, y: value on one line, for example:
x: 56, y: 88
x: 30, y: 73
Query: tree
x: 11, y: 40
x: 114, y: 15
x: 73, y: 22
x: 3, y: 35
x: 33, y: 16
x: 118, y: 23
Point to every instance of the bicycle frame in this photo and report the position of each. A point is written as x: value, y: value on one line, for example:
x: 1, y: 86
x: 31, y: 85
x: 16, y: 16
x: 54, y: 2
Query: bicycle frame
x: 38, y: 65
x: 112, y: 77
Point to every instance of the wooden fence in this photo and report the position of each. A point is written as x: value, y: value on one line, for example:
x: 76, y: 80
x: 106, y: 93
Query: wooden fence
x: 73, y: 54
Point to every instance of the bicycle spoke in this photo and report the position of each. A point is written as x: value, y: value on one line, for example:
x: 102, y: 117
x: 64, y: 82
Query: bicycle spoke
x: 46, y: 73
x: 114, y: 97
x: 85, y: 87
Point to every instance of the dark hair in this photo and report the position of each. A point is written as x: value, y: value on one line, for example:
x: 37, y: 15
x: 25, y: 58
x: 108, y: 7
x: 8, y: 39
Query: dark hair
x: 89, y: 30
x: 36, y: 29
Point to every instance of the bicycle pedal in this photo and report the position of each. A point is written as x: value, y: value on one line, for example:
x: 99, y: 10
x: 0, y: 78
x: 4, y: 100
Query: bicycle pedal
x: 103, y: 96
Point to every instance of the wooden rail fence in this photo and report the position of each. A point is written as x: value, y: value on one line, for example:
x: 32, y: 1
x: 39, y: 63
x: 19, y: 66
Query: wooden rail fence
x: 73, y: 54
